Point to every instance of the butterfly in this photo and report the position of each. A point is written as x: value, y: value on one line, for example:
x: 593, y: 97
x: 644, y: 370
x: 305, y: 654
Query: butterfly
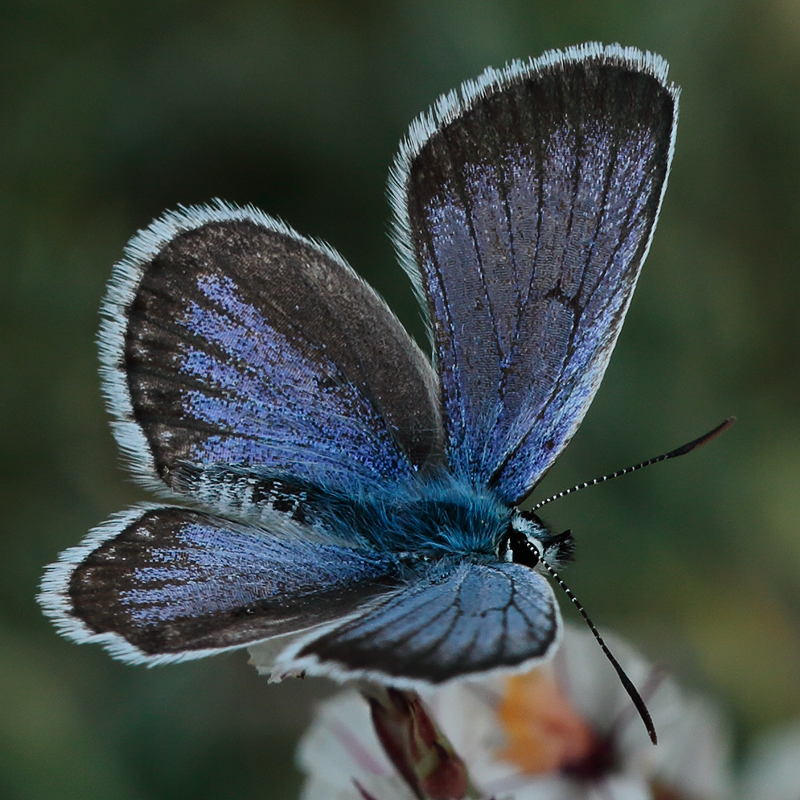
x: 348, y: 503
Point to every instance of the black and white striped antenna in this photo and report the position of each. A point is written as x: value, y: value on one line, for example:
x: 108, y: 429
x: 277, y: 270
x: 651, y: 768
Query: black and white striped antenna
x: 628, y: 685
x: 679, y: 451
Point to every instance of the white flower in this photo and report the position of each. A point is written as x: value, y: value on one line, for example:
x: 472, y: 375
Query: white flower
x: 264, y: 655
x: 773, y: 768
x: 564, y: 731
x: 342, y: 757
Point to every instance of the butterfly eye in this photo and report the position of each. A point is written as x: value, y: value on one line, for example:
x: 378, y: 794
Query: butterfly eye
x: 515, y: 547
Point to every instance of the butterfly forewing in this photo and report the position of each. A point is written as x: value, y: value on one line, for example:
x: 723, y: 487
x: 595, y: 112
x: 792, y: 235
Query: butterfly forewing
x: 529, y: 207
x: 244, y: 343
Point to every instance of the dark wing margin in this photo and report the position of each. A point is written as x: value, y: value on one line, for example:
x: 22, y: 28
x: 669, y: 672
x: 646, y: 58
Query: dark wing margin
x: 524, y: 210
x: 460, y: 618
x: 227, y: 337
x: 159, y: 584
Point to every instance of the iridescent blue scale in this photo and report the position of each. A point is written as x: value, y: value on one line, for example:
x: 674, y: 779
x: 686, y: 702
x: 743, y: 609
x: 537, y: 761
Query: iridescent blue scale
x: 355, y: 502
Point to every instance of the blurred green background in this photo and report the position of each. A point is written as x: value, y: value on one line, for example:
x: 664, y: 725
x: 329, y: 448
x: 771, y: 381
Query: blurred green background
x: 113, y: 111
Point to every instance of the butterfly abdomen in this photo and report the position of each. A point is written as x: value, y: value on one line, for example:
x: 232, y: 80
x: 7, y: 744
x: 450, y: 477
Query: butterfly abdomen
x: 248, y: 493
x: 440, y: 516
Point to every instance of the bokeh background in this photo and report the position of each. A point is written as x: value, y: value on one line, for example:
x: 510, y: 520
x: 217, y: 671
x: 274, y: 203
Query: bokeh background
x: 111, y: 112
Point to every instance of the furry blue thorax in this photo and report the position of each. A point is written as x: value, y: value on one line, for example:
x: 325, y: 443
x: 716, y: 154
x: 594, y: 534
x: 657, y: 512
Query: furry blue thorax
x: 438, y: 516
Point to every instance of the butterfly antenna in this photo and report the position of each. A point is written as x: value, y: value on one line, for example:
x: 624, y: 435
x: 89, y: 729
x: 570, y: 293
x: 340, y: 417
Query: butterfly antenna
x: 679, y: 451
x: 632, y: 691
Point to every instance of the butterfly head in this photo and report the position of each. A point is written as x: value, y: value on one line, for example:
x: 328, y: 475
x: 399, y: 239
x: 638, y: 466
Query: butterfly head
x: 528, y: 541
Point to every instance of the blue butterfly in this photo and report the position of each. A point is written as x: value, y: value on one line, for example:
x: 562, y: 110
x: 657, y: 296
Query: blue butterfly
x: 353, y: 505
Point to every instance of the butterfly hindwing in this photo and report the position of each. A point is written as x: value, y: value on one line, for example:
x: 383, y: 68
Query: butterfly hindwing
x: 161, y: 583
x: 524, y: 212
x: 457, y: 618
x: 228, y: 338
